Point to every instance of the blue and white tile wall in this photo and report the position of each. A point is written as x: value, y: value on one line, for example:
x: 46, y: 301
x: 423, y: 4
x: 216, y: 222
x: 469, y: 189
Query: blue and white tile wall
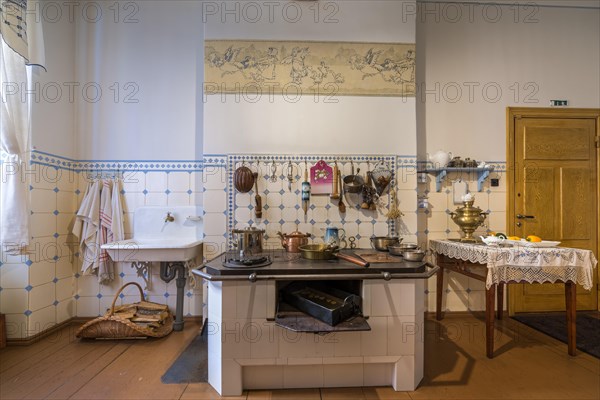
x: 36, y: 290
x: 45, y: 288
x: 461, y: 293
x: 145, y: 183
x: 282, y: 204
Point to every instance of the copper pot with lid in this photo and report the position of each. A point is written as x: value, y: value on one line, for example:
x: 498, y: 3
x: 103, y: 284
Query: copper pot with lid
x: 292, y: 241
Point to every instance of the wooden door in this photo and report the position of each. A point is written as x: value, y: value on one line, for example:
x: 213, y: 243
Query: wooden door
x: 553, y: 192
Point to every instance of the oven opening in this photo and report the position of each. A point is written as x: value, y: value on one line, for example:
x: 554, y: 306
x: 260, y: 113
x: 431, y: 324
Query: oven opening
x: 320, y: 306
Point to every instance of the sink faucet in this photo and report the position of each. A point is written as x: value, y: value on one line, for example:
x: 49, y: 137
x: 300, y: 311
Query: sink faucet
x: 169, y: 217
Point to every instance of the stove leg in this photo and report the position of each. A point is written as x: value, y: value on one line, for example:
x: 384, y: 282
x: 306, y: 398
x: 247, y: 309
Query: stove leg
x: 168, y: 271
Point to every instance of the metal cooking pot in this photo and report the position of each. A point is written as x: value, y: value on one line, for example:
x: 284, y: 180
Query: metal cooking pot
x: 399, y: 248
x: 248, y: 240
x: 292, y: 241
x: 381, y: 243
x: 414, y: 255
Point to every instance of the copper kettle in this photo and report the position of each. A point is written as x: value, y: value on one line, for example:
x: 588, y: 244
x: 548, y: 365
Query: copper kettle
x: 292, y: 241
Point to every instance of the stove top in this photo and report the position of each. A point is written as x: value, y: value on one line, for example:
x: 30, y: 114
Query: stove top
x: 247, y: 261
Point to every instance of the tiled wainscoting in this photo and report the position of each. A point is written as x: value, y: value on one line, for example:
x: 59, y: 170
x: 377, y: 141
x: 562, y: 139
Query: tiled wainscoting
x: 45, y: 287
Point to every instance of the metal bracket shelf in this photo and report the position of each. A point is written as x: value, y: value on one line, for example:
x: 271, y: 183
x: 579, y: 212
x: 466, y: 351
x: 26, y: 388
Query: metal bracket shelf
x: 440, y: 175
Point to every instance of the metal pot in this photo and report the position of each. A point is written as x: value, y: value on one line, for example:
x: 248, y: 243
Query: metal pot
x: 413, y: 255
x: 248, y: 240
x: 381, y: 243
x: 324, y: 252
x: 292, y: 241
x: 399, y: 248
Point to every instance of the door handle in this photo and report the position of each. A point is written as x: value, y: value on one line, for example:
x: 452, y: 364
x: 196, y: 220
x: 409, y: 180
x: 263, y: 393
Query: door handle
x: 520, y: 216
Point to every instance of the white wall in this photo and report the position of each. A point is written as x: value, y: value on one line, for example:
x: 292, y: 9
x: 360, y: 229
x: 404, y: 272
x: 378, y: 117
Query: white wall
x: 152, y: 53
x: 532, y: 54
x: 351, y: 124
x: 52, y: 106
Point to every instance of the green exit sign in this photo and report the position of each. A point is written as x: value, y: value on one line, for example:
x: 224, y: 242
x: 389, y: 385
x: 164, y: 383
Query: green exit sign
x: 559, y: 103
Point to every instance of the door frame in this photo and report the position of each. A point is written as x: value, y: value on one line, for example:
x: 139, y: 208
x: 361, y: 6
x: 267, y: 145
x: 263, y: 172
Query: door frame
x: 514, y: 113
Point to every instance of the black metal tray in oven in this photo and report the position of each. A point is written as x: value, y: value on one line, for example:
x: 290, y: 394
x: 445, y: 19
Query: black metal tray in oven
x: 326, y: 304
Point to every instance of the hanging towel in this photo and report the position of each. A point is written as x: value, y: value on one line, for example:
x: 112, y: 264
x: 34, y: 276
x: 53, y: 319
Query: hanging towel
x: 79, y: 223
x: 117, y: 227
x: 105, y: 264
x: 89, y: 238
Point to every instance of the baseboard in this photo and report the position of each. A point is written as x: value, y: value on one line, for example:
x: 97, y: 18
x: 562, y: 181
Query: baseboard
x: 74, y: 321
x: 40, y: 335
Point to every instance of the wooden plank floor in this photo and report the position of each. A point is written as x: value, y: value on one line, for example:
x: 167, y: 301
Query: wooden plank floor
x: 527, y: 365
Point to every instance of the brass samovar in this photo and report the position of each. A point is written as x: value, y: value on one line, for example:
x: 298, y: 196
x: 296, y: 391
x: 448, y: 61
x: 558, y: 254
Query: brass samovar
x: 468, y: 218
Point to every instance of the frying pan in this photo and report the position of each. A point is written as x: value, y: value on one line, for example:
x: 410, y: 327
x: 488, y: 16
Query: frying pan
x: 325, y: 252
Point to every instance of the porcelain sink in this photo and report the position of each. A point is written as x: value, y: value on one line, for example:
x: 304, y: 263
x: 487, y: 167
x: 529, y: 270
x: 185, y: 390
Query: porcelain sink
x: 155, y: 239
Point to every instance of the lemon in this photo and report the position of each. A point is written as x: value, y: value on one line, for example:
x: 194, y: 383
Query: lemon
x: 533, y: 238
x: 513, y: 238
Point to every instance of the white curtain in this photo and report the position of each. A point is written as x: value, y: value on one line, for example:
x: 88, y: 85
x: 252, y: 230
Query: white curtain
x: 20, y: 44
x: 14, y: 130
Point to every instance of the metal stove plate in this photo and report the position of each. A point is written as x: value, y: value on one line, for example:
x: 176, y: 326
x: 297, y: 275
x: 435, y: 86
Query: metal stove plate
x: 247, y: 262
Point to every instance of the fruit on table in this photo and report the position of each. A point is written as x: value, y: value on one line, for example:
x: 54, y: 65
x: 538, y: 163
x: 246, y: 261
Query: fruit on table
x: 513, y: 238
x: 533, y: 238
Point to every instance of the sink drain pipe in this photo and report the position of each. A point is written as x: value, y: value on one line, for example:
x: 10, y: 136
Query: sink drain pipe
x: 168, y: 271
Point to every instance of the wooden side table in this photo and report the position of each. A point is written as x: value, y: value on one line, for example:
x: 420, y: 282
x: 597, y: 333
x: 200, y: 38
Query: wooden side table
x: 496, y: 292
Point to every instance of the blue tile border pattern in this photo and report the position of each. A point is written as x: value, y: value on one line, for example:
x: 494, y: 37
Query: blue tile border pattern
x: 59, y: 162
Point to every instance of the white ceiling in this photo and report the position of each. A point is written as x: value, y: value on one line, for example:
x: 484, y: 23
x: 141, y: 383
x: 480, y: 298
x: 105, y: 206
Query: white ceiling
x: 539, y: 3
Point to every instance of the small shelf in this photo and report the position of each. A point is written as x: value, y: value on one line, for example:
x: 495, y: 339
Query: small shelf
x: 440, y: 174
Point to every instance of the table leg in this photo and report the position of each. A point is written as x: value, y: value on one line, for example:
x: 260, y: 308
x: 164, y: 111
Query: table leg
x: 500, y: 301
x: 571, y: 303
x: 439, y: 289
x: 490, y: 297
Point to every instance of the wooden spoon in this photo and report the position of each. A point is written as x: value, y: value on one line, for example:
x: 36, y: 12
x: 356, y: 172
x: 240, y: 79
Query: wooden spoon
x: 341, y: 205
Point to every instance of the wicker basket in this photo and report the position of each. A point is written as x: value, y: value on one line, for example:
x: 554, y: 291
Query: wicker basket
x: 112, y: 326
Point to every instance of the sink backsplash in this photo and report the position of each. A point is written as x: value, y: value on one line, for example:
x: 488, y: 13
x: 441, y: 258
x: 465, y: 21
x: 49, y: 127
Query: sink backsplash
x: 149, y: 222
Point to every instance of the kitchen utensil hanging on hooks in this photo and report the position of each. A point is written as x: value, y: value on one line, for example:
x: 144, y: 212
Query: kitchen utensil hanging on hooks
x: 353, y: 183
x: 273, y: 172
x: 305, y: 190
x: 335, y: 194
x: 257, y: 198
x: 290, y: 175
x: 382, y: 176
x: 243, y: 178
x: 341, y: 205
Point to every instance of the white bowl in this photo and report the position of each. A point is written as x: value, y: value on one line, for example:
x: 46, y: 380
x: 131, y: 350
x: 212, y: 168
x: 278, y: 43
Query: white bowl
x: 492, y: 240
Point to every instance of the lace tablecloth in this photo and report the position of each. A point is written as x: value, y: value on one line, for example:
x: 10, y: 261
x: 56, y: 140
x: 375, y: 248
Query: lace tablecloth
x: 524, y: 264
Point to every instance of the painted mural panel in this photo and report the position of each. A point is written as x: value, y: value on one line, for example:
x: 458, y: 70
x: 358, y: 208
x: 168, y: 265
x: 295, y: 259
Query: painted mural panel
x: 298, y: 68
